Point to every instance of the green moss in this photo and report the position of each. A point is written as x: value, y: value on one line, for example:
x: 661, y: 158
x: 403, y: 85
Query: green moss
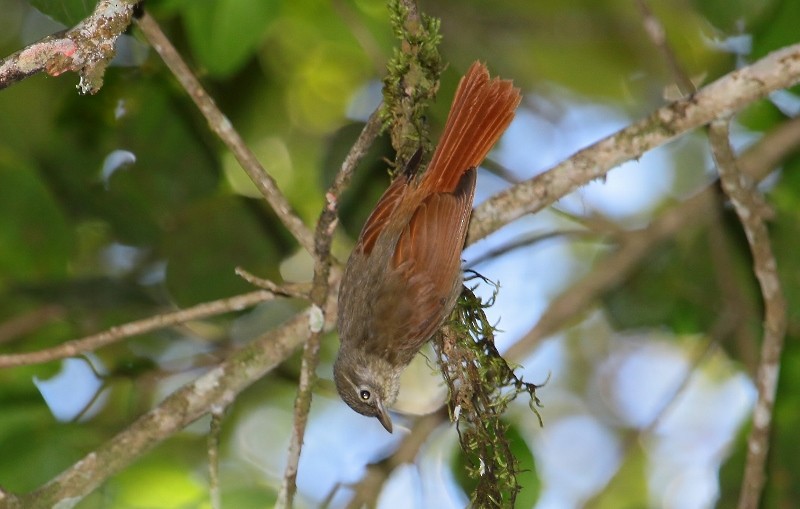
x: 412, y: 80
x: 481, y: 384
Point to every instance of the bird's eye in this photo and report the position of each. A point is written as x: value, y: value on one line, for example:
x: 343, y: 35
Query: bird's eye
x: 365, y: 395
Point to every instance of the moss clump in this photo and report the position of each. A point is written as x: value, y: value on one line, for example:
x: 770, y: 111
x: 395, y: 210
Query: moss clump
x: 481, y: 386
x: 412, y: 80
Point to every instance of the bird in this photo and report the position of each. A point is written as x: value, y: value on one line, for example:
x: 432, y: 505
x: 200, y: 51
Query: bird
x: 403, y: 277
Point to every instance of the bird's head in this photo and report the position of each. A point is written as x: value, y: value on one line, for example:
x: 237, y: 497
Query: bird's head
x: 369, y: 385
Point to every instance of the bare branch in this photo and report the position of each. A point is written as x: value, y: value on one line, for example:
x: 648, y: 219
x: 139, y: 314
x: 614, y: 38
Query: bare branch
x: 114, y: 334
x: 214, y: 435
x: 751, y: 211
x: 215, y: 389
x: 320, y: 292
x: 298, y: 290
x: 757, y: 162
x: 655, y: 30
x: 18, y: 326
x: 779, y: 69
x: 223, y: 128
x: 86, y: 49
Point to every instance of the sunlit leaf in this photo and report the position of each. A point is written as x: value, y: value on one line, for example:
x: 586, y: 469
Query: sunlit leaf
x: 162, y: 482
x: 224, y: 34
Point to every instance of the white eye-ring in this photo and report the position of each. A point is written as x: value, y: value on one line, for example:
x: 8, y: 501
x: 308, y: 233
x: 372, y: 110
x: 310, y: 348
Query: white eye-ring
x: 364, y: 395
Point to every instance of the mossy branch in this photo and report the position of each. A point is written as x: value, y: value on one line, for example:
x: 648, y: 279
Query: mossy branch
x: 481, y: 385
x: 412, y: 79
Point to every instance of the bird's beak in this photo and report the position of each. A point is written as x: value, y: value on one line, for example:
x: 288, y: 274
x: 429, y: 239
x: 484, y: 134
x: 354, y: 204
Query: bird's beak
x: 383, y: 417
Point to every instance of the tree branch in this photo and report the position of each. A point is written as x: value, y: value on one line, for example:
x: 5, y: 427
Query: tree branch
x: 86, y: 49
x: 215, y: 389
x: 320, y: 292
x: 779, y: 69
x: 655, y: 30
x: 751, y: 209
x: 757, y: 162
x: 114, y: 334
x: 223, y: 128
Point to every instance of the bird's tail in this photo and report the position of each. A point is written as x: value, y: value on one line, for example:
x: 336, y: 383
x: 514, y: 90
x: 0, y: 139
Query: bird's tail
x: 482, y: 109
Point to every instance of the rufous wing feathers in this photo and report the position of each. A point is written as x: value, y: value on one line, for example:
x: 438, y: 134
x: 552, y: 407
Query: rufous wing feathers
x: 482, y: 109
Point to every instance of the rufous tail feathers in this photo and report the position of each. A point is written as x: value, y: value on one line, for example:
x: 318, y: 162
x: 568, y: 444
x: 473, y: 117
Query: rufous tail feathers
x: 482, y: 109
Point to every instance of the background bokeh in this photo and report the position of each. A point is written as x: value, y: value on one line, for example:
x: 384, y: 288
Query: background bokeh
x: 122, y: 205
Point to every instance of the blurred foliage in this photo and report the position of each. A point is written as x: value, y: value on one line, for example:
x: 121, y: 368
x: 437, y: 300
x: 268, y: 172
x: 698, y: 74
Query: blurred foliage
x: 107, y: 245
x: 628, y: 488
x: 68, y: 12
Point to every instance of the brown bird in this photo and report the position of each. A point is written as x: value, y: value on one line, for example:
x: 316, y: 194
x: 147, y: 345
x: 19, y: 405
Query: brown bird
x: 404, y: 275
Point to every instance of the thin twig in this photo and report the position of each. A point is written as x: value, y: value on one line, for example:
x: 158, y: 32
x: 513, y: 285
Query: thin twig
x: 116, y: 333
x: 730, y: 93
x: 214, y: 434
x: 655, y: 30
x: 86, y: 49
x: 750, y: 208
x: 528, y: 240
x: 26, y: 323
x: 223, y: 128
x: 320, y: 292
x: 297, y: 290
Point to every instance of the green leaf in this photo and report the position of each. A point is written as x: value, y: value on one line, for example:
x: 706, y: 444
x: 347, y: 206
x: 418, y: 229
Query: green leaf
x: 628, y: 487
x: 251, y: 497
x: 35, y: 448
x: 527, y: 477
x: 761, y: 116
x: 784, y: 231
x: 225, y: 33
x: 778, y: 27
x: 164, y: 479
x: 34, y: 235
x: 174, y: 163
x: 728, y: 15
x: 783, y: 468
x: 661, y: 293
x: 209, y: 241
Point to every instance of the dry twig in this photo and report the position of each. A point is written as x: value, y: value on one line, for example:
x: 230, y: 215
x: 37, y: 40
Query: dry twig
x: 114, y: 334
x: 752, y: 212
x: 321, y: 291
